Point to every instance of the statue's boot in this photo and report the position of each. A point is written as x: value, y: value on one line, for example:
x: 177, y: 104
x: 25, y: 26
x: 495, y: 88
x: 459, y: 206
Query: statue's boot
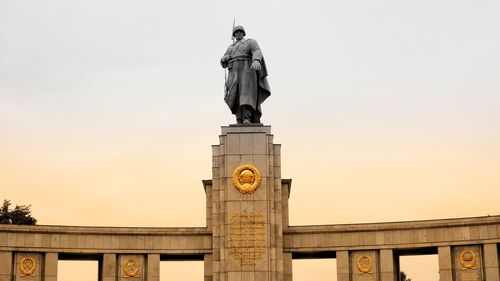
x: 246, y: 111
x: 244, y: 114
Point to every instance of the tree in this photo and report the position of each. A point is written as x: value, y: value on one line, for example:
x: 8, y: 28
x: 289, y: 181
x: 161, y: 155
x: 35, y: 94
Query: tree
x: 404, y: 277
x: 21, y: 214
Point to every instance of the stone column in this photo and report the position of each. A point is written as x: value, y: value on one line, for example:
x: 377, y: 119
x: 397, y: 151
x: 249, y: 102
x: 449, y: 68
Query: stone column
x: 208, y: 267
x: 286, y: 185
x: 5, y: 266
x: 287, y: 267
x: 445, y: 264
x: 246, y: 223
x: 50, y: 266
x: 207, y: 185
x: 491, y: 262
x: 108, y: 267
x: 342, y: 265
x: 153, y: 267
x: 387, y: 267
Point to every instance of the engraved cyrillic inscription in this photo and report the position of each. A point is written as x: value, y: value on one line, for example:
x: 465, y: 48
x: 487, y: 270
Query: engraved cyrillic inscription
x: 247, y: 237
x: 469, y: 276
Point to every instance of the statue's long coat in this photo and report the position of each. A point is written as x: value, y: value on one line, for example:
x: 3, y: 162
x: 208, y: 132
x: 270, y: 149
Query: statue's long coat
x: 245, y: 86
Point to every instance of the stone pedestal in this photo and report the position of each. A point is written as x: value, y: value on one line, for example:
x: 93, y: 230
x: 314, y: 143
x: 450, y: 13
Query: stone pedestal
x: 247, y: 225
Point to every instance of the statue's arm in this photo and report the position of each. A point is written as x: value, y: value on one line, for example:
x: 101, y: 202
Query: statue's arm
x: 255, y: 50
x: 225, y: 58
x: 256, y: 55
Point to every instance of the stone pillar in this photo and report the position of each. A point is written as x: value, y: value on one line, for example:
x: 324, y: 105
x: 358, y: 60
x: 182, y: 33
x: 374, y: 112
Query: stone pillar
x: 208, y: 267
x: 467, y: 263
x: 207, y: 185
x: 28, y: 267
x: 445, y: 264
x: 287, y: 267
x: 246, y: 223
x: 387, y: 267
x: 108, y: 267
x: 286, y: 185
x: 50, y: 266
x: 5, y: 266
x: 342, y: 265
x: 153, y: 267
x: 491, y: 262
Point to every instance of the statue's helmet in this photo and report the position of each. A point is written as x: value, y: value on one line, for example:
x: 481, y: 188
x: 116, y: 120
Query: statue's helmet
x: 240, y: 28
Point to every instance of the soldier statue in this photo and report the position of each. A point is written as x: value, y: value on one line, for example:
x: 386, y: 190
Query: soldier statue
x: 246, y: 85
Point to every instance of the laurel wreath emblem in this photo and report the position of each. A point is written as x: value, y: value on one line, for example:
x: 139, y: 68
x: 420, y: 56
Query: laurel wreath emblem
x: 364, y: 264
x: 246, y: 178
x: 131, y: 269
x: 468, y: 259
x: 27, y: 266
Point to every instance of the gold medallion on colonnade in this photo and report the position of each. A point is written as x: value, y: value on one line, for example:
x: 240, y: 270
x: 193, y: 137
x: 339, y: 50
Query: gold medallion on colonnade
x: 246, y: 178
x: 27, y: 266
x: 131, y: 268
x: 364, y: 264
x: 468, y: 259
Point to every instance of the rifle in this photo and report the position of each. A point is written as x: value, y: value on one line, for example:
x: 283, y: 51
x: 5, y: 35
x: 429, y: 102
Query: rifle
x: 232, y: 35
x: 226, y: 86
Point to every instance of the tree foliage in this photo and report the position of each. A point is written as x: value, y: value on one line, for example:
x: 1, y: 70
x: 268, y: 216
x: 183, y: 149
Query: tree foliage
x: 21, y: 214
x: 404, y: 277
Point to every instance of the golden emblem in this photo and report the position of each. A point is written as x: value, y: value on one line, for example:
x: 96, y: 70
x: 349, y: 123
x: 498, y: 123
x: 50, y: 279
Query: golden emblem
x: 27, y: 266
x: 246, y: 178
x: 131, y: 268
x: 468, y: 259
x: 364, y: 264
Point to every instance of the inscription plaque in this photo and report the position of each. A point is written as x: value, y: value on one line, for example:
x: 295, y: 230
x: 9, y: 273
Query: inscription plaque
x: 247, y: 237
x: 469, y: 276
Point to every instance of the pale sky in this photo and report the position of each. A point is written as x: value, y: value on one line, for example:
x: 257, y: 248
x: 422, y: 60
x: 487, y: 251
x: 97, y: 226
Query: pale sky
x: 386, y: 110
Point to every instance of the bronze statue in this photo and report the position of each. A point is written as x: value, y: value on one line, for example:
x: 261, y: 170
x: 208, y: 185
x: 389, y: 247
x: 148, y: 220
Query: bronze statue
x: 246, y: 85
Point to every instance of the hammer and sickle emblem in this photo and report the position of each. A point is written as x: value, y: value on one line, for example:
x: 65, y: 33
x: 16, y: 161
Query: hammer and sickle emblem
x: 131, y: 269
x: 246, y: 178
x: 27, y: 266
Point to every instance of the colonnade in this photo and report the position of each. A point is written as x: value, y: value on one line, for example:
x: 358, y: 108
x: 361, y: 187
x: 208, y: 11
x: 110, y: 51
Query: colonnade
x: 467, y: 249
